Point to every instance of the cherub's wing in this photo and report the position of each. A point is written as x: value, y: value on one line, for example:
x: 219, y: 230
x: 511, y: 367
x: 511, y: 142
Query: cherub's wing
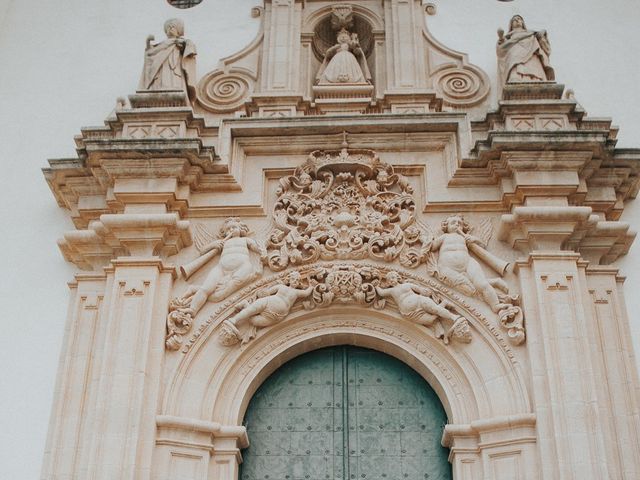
x: 430, y: 233
x: 202, y: 236
x: 485, y: 230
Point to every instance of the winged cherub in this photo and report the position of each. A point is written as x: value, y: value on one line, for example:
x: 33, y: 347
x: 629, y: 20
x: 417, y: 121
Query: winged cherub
x: 416, y: 304
x: 272, y: 307
x: 235, y: 268
x: 456, y: 267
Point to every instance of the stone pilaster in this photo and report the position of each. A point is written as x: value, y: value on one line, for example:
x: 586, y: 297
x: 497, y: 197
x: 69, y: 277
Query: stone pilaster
x: 75, y: 394
x: 128, y: 384
x: 615, y: 371
x: 565, y: 389
x: 498, y: 448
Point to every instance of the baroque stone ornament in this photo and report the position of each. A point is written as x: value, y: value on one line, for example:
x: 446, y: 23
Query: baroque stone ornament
x: 455, y: 267
x: 344, y: 204
x: 523, y: 55
x: 241, y: 260
x: 345, y: 284
x: 419, y: 305
x: 271, y: 307
x: 170, y: 64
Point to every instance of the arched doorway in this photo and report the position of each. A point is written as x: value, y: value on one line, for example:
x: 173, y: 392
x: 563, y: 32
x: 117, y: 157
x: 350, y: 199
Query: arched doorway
x: 297, y: 421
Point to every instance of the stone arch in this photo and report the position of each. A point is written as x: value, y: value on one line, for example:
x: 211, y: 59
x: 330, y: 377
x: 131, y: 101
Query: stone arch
x: 216, y: 383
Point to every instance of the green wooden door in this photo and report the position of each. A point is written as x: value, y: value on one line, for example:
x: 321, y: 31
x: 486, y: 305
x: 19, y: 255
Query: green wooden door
x: 296, y: 421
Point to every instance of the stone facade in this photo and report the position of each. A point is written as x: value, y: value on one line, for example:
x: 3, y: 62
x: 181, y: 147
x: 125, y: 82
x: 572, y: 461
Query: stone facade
x: 343, y: 180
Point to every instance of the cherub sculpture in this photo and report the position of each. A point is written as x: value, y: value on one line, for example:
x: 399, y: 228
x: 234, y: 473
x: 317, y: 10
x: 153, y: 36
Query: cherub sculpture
x: 345, y: 62
x: 458, y: 269
x: 170, y: 64
x: 416, y: 304
x: 272, y: 306
x: 235, y: 269
x: 523, y: 55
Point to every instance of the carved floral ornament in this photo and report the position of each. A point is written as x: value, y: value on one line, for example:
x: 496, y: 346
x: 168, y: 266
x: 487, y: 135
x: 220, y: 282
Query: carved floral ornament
x: 344, y: 205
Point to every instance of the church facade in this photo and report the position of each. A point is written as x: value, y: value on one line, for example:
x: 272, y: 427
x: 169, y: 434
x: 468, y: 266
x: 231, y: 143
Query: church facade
x: 329, y: 257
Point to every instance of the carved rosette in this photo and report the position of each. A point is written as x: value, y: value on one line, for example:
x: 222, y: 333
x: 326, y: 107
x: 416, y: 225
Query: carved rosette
x: 222, y: 92
x: 344, y: 204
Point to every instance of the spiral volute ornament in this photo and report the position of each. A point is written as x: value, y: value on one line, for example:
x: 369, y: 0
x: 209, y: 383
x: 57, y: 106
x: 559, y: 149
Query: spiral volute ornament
x: 461, y: 86
x: 224, y: 92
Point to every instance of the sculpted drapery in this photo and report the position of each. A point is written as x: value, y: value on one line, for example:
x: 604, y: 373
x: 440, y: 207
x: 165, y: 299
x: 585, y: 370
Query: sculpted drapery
x: 170, y: 64
x: 345, y: 62
x: 523, y: 55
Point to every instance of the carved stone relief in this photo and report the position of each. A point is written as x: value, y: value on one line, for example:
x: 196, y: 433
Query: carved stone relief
x: 347, y: 284
x: 240, y: 262
x: 271, y: 307
x: 454, y: 266
x: 345, y: 204
x: 340, y: 205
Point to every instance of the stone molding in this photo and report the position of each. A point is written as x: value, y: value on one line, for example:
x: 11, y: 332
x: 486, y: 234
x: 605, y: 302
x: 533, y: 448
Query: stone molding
x: 566, y: 228
x: 116, y: 235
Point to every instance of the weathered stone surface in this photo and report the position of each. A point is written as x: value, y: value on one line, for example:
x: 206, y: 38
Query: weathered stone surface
x: 365, y: 220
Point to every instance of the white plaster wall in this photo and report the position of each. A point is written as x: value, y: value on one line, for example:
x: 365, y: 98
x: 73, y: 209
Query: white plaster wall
x: 62, y: 65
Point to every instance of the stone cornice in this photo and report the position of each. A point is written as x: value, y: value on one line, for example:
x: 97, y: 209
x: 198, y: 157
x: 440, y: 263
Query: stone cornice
x: 557, y: 228
x: 116, y: 235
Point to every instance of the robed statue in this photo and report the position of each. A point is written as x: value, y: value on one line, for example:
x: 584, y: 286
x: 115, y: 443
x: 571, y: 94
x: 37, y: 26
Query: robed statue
x: 170, y: 64
x: 345, y: 62
x: 523, y: 55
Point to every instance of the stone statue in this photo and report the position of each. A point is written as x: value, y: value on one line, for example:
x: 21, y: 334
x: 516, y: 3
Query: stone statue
x: 523, y: 55
x: 273, y: 306
x: 457, y: 268
x: 236, y: 267
x: 170, y: 64
x: 416, y: 304
x: 345, y: 62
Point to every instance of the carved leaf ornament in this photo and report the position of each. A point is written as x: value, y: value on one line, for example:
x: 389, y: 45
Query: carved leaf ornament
x: 344, y: 204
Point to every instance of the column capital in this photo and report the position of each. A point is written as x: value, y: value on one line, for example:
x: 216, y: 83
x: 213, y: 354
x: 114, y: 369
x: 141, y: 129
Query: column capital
x: 131, y: 234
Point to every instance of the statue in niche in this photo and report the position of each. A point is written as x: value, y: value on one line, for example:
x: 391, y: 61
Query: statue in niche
x: 417, y: 304
x: 345, y: 62
x: 271, y: 307
x: 456, y: 268
x: 235, y: 269
x: 170, y: 64
x: 523, y: 55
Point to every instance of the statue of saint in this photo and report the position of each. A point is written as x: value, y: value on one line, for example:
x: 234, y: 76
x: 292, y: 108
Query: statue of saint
x: 170, y: 64
x: 345, y: 62
x: 523, y: 55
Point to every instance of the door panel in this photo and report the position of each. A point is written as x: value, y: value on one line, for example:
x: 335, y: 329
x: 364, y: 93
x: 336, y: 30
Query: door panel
x: 296, y: 421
